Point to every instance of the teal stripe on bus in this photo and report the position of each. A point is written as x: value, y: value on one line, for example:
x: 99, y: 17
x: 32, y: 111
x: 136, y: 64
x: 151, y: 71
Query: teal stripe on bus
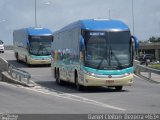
x: 40, y: 57
x: 109, y: 72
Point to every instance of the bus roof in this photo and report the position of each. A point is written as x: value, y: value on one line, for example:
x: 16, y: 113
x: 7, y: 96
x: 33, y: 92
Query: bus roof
x: 38, y: 31
x: 98, y: 24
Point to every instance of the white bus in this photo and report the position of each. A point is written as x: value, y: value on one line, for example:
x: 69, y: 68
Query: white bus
x: 33, y: 45
x: 94, y: 52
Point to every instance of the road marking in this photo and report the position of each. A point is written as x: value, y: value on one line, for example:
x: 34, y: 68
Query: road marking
x: 72, y: 97
x: 57, y: 93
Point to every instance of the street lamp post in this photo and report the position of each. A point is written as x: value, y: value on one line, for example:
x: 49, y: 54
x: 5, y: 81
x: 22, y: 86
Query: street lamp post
x: 133, y: 16
x: 109, y: 14
x: 133, y: 29
x: 35, y: 13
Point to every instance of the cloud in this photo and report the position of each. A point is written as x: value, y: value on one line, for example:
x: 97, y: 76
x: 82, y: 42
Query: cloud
x: 58, y: 13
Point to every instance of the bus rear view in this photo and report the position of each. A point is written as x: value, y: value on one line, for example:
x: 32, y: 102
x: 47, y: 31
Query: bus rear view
x: 103, y: 51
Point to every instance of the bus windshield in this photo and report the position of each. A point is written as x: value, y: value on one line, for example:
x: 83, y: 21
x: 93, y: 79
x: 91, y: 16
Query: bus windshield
x: 40, y: 45
x: 108, y: 50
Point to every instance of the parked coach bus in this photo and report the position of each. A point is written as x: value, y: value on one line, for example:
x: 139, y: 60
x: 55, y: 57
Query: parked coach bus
x: 94, y: 52
x: 33, y: 45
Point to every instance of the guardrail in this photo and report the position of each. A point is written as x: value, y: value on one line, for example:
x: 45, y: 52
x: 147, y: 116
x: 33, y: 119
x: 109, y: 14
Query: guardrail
x: 14, y: 73
x: 149, y: 73
x: 19, y: 74
x: 3, y: 66
x: 8, y: 47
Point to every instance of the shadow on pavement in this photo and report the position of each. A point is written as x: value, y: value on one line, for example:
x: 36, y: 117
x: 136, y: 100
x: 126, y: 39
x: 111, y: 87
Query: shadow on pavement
x: 70, y: 88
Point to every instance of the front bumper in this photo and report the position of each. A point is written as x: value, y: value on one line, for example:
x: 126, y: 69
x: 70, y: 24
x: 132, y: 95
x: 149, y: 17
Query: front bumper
x: 105, y: 81
x: 39, y: 62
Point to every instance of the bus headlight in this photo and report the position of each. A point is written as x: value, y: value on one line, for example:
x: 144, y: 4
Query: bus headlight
x: 92, y: 74
x: 127, y: 74
x: 88, y: 73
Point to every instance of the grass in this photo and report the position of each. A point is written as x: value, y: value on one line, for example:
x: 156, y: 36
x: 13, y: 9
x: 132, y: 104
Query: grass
x: 155, y: 66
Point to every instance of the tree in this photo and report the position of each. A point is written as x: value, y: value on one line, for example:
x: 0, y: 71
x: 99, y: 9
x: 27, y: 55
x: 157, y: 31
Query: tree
x: 154, y: 39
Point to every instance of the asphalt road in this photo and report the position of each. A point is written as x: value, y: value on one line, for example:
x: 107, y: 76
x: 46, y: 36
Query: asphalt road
x: 48, y: 97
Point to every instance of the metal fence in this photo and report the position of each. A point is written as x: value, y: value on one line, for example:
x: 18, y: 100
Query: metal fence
x: 14, y: 72
x: 149, y: 73
x: 18, y: 74
x: 8, y: 47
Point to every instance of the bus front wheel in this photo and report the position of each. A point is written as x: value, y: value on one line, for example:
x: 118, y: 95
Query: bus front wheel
x: 58, y: 80
x: 17, y: 57
x: 78, y: 86
x: 26, y: 61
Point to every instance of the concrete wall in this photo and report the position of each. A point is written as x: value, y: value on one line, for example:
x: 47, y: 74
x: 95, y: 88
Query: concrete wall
x: 3, y: 66
x: 6, y: 77
x: 8, y: 47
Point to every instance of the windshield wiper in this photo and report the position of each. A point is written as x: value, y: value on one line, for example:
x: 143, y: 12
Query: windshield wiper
x: 43, y: 48
x: 106, y: 53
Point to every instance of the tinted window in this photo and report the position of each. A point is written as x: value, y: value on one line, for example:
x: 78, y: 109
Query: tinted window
x: 107, y: 49
x: 1, y: 42
x: 40, y: 45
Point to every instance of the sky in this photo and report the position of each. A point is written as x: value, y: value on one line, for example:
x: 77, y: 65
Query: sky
x: 55, y: 14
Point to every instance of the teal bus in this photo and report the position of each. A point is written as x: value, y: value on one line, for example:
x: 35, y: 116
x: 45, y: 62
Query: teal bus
x: 33, y: 45
x: 94, y: 52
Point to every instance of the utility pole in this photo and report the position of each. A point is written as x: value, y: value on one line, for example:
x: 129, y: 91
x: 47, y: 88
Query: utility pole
x: 109, y: 14
x: 35, y: 13
x: 133, y: 16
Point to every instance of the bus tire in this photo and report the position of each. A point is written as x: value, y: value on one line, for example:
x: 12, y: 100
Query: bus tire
x: 26, y: 61
x: 17, y: 57
x: 55, y: 72
x: 118, y: 88
x: 78, y: 86
x: 58, y: 80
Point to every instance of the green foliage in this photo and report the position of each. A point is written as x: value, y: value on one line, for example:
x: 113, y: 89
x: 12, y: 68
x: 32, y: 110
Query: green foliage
x: 154, y: 39
x: 155, y: 66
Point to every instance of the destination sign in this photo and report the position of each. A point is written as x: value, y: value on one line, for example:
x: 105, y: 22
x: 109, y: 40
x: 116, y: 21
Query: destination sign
x: 36, y: 37
x: 97, y: 33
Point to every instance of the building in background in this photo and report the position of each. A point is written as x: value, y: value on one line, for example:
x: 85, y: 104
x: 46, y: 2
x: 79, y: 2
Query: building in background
x: 150, y: 48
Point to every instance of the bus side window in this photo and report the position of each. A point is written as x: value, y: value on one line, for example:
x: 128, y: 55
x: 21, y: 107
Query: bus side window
x: 28, y: 47
x: 82, y: 49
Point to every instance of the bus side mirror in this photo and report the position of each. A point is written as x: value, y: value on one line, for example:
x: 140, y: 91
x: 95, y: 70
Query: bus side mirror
x: 136, y: 42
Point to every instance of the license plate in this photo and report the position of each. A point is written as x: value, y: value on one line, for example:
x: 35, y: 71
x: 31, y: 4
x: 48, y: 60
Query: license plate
x: 109, y: 81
